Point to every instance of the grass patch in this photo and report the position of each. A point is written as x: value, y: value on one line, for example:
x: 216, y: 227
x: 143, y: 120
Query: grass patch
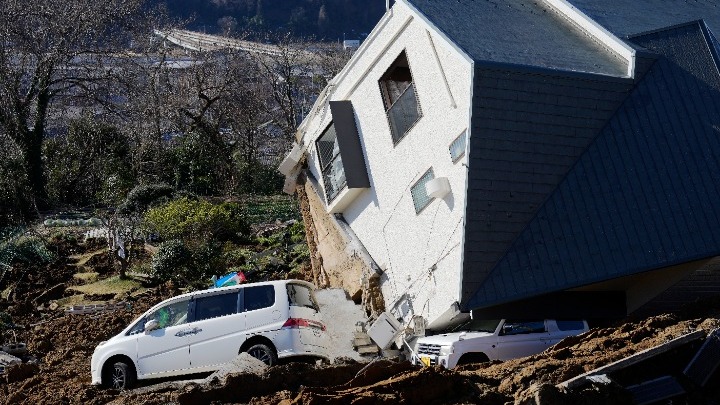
x: 112, y: 285
x: 78, y: 299
x: 86, y: 277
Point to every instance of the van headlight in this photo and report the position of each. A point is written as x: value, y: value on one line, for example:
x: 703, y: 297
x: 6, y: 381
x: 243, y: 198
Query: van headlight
x: 446, y: 350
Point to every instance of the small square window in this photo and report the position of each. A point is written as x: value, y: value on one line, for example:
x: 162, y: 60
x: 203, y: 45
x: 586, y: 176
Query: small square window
x: 420, y: 197
x: 457, y: 147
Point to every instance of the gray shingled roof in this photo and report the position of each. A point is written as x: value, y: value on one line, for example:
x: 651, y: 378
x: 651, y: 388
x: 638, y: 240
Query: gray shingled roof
x: 628, y: 17
x: 644, y: 194
x: 521, y: 33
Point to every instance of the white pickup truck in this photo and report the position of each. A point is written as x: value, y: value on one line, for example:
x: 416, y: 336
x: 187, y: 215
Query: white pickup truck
x: 482, y: 340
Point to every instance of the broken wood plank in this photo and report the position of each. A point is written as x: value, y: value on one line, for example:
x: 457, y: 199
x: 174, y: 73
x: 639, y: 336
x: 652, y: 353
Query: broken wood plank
x: 653, y: 391
x: 706, y: 360
x: 633, y: 359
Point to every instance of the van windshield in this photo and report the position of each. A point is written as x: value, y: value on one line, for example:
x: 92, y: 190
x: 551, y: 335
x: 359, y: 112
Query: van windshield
x: 478, y: 325
x: 301, y: 296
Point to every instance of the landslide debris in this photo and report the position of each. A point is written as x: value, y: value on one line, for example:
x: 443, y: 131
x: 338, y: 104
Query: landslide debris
x: 61, y: 345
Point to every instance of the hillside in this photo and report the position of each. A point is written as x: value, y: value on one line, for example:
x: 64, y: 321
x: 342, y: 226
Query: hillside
x: 329, y: 19
x: 57, y: 363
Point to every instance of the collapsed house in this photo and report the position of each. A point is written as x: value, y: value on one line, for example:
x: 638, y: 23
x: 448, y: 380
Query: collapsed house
x: 554, y: 158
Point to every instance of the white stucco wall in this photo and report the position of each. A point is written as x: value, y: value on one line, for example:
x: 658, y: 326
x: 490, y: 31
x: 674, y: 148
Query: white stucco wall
x: 420, y: 253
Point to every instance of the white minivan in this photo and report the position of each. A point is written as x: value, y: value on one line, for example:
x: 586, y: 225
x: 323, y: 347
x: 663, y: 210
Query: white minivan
x: 200, y: 331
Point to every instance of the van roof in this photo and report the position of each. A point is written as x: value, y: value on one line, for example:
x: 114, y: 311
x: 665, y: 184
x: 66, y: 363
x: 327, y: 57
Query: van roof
x: 238, y: 286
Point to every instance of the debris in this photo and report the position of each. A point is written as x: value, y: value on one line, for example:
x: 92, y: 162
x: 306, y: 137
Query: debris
x: 634, y: 359
x: 51, y: 293
x: 7, y: 359
x: 650, y: 392
x: 14, y: 348
x: 20, y: 371
x: 94, y: 308
x: 706, y: 360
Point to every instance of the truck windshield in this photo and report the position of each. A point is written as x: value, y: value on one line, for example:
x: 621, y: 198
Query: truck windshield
x: 479, y: 325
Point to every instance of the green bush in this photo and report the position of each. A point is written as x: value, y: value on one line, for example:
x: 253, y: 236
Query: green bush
x: 237, y: 256
x: 198, y: 220
x: 172, y: 261
x: 18, y: 247
x: 267, y: 209
x: 188, y: 267
x: 141, y: 197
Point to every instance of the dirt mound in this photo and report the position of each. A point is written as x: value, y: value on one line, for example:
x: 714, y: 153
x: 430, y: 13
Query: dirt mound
x: 64, y: 346
x: 517, y: 381
x: 63, y: 343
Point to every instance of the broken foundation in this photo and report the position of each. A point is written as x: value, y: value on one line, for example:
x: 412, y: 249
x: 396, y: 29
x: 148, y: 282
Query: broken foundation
x: 337, y: 256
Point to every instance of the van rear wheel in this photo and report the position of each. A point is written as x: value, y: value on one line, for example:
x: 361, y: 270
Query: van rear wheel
x: 263, y: 353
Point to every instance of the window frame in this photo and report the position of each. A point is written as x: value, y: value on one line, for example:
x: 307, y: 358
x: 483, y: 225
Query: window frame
x: 209, y: 296
x: 463, y: 134
x: 384, y: 95
x: 329, y: 164
x: 245, y: 297
x: 416, y: 184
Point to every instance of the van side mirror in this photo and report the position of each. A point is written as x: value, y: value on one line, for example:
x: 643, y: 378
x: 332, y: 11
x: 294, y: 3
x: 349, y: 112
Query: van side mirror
x: 151, y: 325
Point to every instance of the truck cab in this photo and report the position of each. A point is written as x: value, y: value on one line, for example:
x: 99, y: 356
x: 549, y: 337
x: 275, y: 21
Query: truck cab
x: 481, y: 340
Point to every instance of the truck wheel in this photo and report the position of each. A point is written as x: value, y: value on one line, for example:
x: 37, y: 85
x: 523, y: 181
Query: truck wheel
x: 263, y: 353
x: 469, y: 358
x: 121, y: 376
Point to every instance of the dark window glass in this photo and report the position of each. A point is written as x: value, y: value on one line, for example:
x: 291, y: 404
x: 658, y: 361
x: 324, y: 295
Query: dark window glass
x: 478, y: 325
x: 301, y: 296
x: 214, y: 306
x: 331, y: 163
x: 259, y: 297
x: 172, y: 314
x: 571, y: 325
x: 522, y: 327
x: 401, y: 102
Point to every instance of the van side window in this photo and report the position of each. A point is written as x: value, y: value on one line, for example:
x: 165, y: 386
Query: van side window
x: 570, y: 325
x: 168, y: 315
x: 217, y: 305
x: 301, y: 296
x: 522, y: 327
x: 259, y: 297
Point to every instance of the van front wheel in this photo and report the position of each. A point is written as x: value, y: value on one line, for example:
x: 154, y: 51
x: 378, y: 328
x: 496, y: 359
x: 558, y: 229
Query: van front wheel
x: 121, y: 376
x: 263, y: 353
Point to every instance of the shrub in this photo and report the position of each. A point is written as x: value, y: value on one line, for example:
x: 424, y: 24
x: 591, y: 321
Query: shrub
x: 17, y: 247
x: 198, y: 220
x: 237, y: 256
x: 172, y: 261
x: 141, y: 197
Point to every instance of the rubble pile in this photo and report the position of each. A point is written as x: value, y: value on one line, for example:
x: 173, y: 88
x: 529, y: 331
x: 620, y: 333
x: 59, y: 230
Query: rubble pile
x: 61, y: 344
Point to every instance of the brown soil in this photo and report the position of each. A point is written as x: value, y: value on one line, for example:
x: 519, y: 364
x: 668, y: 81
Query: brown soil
x: 62, y: 345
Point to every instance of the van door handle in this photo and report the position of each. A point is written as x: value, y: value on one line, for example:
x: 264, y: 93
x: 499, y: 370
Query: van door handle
x: 183, y: 333
x: 196, y: 330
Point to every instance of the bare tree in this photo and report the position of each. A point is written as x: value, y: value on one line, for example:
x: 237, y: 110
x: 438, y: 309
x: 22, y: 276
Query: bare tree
x: 294, y: 75
x: 47, y: 49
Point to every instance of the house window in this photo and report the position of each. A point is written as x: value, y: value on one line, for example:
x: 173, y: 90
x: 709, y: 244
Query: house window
x: 419, y: 192
x: 331, y: 164
x: 401, y: 103
x: 457, y: 147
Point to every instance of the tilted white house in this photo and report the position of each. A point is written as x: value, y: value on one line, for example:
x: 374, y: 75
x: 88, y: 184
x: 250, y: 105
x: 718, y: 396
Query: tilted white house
x: 447, y: 165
